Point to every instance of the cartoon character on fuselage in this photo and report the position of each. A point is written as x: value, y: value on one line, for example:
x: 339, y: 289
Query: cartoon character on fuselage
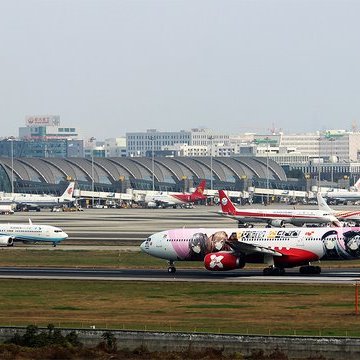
x: 280, y: 248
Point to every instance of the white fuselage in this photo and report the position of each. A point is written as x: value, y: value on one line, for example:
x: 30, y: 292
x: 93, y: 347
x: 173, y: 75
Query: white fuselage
x: 290, y: 216
x: 166, y: 199
x: 32, y: 233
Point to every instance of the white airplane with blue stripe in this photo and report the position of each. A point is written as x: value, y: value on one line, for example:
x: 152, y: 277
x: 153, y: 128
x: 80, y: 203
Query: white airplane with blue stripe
x: 11, y: 233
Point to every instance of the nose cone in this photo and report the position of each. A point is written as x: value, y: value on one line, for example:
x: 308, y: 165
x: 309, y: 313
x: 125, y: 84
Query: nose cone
x: 65, y: 235
x: 145, y: 246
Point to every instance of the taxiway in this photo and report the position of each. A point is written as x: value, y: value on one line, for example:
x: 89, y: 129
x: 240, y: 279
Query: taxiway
x: 333, y: 276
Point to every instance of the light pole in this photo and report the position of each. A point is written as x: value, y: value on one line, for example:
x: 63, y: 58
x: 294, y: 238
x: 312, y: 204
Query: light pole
x: 152, y: 138
x: 11, y: 139
x: 267, y: 170
x: 319, y: 168
x: 332, y: 160
x: 92, y: 139
x: 211, y: 138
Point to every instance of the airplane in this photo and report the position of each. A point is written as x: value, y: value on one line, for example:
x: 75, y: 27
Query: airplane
x: 223, y: 249
x: 344, y: 195
x: 353, y: 216
x: 274, y: 217
x: 36, y: 201
x: 175, y: 199
x: 10, y: 233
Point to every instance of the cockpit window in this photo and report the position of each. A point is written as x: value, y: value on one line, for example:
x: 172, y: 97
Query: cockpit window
x: 57, y: 231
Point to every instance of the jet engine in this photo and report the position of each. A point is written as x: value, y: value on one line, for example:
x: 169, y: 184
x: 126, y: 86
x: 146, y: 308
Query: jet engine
x: 222, y: 261
x: 152, y: 204
x: 6, y: 241
x: 276, y: 223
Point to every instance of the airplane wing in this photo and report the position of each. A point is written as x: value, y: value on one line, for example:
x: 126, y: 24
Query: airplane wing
x: 29, y: 204
x: 245, y: 248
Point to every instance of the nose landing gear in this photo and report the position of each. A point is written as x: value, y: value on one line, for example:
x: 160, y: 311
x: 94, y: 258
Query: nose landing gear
x: 171, y: 268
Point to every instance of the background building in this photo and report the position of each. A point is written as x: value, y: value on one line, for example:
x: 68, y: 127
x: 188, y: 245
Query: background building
x: 116, y: 174
x: 139, y: 143
x: 46, y: 127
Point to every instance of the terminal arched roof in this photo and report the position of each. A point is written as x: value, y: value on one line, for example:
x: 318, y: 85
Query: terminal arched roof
x: 167, y: 170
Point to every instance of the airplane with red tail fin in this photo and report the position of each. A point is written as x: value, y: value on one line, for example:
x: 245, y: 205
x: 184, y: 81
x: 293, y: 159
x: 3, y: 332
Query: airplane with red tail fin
x: 176, y: 199
x: 274, y: 217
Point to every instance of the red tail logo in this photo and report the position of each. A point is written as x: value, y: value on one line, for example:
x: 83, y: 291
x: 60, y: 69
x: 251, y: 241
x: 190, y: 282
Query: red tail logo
x: 226, y: 205
x: 200, y: 189
x: 199, y: 192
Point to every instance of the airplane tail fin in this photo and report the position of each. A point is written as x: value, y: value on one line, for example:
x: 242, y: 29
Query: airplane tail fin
x: 69, y: 192
x: 226, y: 204
x: 322, y: 203
x: 199, y: 191
x: 357, y: 185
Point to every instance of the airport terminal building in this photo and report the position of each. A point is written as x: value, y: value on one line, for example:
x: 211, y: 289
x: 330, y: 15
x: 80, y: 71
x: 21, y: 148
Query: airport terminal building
x: 117, y: 174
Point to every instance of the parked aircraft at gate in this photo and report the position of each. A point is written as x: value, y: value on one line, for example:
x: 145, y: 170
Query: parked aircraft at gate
x: 174, y: 199
x: 344, y: 195
x: 353, y: 216
x: 274, y: 217
x: 10, y: 233
x: 279, y: 248
x: 36, y: 201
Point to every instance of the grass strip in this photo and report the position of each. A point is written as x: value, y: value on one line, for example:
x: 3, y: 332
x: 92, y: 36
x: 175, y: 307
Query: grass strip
x: 276, y: 309
x: 112, y: 259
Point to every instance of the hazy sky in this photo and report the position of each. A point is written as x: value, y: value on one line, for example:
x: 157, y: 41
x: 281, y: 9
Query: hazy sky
x: 112, y: 66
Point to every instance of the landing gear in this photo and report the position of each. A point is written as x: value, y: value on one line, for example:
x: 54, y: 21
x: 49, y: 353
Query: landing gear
x: 309, y: 269
x: 244, y: 225
x: 54, y: 244
x: 171, y: 268
x: 272, y: 270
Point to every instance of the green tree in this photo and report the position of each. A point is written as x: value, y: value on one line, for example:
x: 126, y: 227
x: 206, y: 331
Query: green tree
x: 110, y: 341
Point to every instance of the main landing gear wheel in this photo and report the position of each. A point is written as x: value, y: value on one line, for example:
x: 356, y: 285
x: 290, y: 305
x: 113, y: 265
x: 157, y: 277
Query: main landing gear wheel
x: 309, y: 269
x: 273, y: 271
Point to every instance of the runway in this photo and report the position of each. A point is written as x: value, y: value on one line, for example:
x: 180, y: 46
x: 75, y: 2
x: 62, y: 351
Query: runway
x: 125, y: 229
x: 328, y: 276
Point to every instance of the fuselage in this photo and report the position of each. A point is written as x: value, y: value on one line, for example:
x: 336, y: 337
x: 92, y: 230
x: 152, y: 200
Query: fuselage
x: 343, y: 196
x: 287, y: 246
x: 295, y: 217
x: 33, y: 233
x: 173, y: 198
x: 348, y: 215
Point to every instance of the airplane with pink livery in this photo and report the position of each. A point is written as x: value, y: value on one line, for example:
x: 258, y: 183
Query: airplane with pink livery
x: 222, y: 249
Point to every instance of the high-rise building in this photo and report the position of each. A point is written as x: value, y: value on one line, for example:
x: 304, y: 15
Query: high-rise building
x: 141, y: 143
